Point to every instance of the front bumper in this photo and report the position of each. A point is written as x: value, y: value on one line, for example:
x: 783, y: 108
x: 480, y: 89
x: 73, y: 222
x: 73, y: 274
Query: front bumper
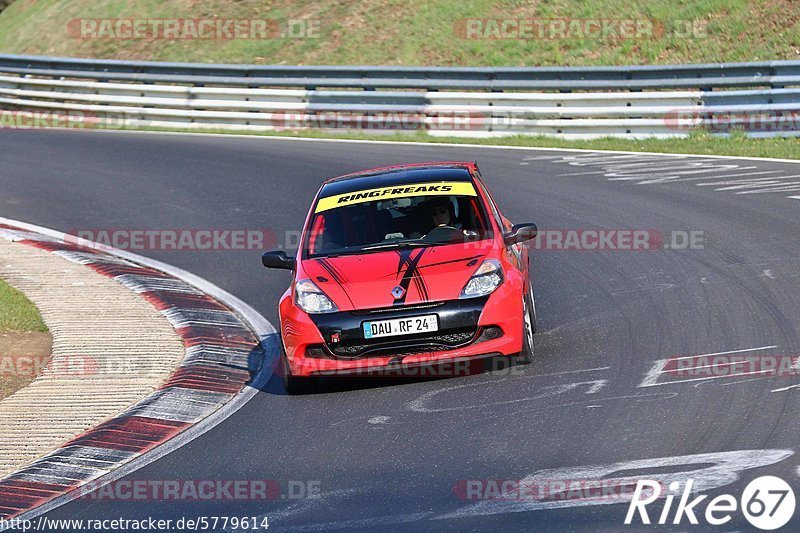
x: 468, y: 329
x: 344, y: 339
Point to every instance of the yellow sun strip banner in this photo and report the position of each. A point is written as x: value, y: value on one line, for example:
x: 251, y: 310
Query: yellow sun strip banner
x: 456, y: 188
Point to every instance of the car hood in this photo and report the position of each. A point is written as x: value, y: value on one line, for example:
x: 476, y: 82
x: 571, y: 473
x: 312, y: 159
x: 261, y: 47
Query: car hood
x: 367, y: 281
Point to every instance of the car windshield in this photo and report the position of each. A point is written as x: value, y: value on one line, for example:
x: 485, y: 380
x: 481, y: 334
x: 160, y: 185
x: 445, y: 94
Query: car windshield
x: 396, y: 221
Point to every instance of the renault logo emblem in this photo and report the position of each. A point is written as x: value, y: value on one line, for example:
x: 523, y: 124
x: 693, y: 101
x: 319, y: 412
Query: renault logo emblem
x: 398, y: 292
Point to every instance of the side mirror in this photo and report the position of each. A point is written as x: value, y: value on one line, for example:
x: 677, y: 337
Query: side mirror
x: 520, y: 233
x: 277, y: 259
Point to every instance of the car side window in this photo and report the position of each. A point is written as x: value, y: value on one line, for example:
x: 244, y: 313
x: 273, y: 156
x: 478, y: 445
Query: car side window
x: 495, y: 212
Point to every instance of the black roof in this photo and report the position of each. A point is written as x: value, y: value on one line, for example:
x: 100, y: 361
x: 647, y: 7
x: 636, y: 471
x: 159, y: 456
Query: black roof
x: 390, y: 177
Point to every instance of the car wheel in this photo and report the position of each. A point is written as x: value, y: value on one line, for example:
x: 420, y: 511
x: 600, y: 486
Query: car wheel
x: 532, y: 309
x: 292, y: 384
x: 528, y: 328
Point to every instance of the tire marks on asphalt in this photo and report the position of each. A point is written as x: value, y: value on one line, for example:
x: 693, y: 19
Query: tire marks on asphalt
x: 720, y: 174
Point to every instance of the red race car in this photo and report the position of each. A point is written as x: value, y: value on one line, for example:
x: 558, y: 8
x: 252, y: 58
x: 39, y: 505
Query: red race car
x: 401, y: 268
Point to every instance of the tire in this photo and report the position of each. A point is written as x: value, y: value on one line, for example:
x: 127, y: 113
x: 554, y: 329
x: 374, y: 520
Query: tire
x: 532, y: 307
x: 528, y: 328
x: 292, y: 384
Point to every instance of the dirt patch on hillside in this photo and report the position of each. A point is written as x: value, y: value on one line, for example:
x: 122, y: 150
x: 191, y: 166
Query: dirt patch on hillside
x: 23, y: 356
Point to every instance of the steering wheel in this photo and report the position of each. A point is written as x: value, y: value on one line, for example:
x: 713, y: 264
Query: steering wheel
x: 440, y: 232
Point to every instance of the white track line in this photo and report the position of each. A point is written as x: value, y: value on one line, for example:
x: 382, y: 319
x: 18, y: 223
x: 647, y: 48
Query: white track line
x: 651, y: 378
x: 573, y: 371
x: 734, y: 181
x: 726, y: 353
x: 785, y: 389
x: 729, y: 376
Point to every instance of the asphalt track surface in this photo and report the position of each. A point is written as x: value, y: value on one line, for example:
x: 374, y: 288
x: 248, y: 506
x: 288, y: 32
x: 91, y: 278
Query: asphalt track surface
x: 390, y: 456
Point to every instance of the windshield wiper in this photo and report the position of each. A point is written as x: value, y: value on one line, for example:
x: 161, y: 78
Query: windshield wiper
x: 396, y: 244
x: 379, y: 246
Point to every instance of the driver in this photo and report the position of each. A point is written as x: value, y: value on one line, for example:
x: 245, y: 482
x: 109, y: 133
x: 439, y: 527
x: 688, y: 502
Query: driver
x: 440, y: 213
x: 440, y: 210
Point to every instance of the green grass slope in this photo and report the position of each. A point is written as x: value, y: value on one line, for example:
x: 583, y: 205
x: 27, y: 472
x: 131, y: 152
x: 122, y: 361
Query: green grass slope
x: 420, y: 32
x: 17, y: 313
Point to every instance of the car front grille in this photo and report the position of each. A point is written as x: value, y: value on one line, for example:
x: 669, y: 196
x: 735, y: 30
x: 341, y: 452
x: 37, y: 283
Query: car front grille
x: 437, y: 342
x: 420, y: 344
x: 394, y: 309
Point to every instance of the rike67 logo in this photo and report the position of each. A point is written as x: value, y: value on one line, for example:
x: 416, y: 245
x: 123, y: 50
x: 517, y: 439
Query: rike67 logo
x: 767, y: 503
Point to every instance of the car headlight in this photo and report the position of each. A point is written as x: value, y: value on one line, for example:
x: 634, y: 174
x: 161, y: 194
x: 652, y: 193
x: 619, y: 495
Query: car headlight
x: 311, y: 299
x: 485, y: 280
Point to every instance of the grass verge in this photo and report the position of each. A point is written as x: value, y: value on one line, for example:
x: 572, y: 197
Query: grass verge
x: 17, y: 313
x: 736, y: 145
x: 421, y: 32
x: 25, y: 344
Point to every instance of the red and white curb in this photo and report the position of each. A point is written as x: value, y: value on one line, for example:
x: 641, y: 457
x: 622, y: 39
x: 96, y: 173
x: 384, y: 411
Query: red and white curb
x: 230, y: 355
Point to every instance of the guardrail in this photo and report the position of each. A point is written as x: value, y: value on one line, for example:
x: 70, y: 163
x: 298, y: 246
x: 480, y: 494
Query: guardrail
x: 662, y: 101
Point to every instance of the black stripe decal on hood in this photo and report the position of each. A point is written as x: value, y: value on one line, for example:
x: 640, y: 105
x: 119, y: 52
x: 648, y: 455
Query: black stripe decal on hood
x: 330, y: 270
x: 467, y: 259
x: 411, y: 273
x: 334, y: 273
